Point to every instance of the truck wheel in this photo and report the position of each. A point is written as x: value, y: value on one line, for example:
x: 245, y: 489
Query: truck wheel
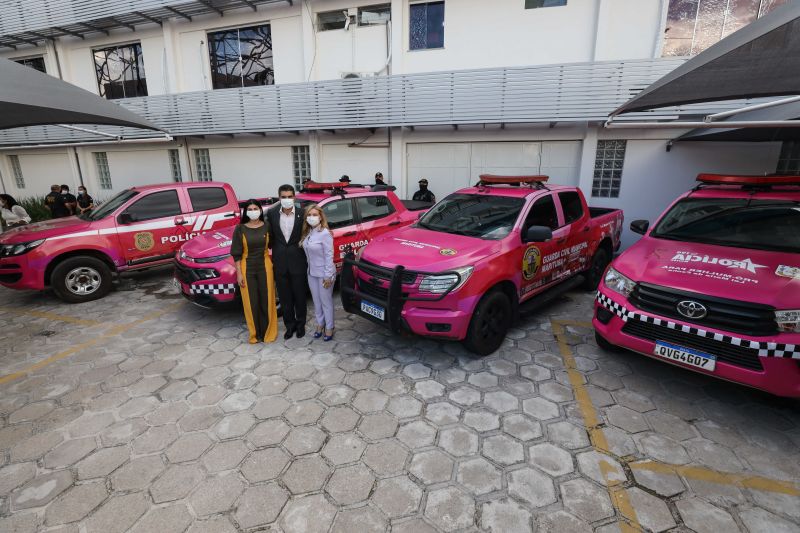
x: 489, y: 324
x: 604, y: 344
x: 600, y: 261
x: 81, y: 279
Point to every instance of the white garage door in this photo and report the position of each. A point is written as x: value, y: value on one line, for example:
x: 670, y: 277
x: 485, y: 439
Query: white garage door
x: 451, y: 166
x: 360, y: 164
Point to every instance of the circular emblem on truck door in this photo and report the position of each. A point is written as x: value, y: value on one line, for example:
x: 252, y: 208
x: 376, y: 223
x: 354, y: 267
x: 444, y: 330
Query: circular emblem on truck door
x: 144, y: 241
x: 531, y: 262
x: 692, y: 309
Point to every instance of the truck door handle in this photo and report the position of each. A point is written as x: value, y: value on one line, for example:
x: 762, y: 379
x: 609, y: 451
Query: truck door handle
x: 229, y: 215
x: 181, y: 222
x: 348, y: 234
x: 562, y: 241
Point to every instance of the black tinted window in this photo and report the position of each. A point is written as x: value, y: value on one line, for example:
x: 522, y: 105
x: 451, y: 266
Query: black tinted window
x: 373, y: 207
x: 474, y: 215
x: 156, y: 205
x: 205, y: 198
x: 542, y: 213
x: 572, y: 206
x: 339, y: 213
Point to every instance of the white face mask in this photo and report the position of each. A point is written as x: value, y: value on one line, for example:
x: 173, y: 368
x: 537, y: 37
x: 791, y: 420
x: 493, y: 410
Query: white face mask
x: 313, y: 221
x: 287, y: 203
x: 253, y: 214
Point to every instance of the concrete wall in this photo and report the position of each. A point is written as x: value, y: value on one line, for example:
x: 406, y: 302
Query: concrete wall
x: 40, y: 170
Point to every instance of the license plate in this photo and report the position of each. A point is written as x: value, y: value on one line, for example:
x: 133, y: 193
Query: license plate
x: 687, y: 356
x: 373, y: 310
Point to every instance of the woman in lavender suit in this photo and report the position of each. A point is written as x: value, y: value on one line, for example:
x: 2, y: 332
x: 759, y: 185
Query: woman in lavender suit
x: 317, y: 241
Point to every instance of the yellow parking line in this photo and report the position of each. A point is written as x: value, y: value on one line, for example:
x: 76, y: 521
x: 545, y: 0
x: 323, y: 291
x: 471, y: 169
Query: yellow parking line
x: 112, y: 332
x: 50, y: 316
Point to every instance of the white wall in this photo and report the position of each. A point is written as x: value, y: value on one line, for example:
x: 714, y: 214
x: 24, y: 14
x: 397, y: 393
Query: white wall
x: 40, y: 170
x: 129, y: 167
x: 359, y: 49
x: 628, y: 29
x: 254, y: 171
x: 360, y: 163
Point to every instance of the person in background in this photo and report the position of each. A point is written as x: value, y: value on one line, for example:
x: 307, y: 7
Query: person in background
x: 54, y: 202
x: 250, y: 252
x: 345, y: 179
x: 13, y: 214
x: 286, y: 227
x: 423, y: 194
x: 85, y: 202
x: 317, y: 241
x: 379, y: 178
x: 70, y: 202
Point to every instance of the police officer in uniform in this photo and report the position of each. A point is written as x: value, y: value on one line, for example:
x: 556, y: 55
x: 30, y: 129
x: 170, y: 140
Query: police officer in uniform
x: 423, y: 194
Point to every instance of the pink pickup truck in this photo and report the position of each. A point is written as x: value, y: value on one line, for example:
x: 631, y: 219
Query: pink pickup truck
x: 714, y: 285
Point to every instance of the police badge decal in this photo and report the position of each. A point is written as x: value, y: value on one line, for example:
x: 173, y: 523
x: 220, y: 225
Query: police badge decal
x: 144, y: 241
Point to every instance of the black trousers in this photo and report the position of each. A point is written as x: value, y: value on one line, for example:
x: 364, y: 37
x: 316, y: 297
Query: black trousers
x: 293, y: 291
x: 256, y: 284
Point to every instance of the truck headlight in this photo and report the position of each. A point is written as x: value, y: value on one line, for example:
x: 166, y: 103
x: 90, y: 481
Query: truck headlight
x: 788, y: 321
x: 619, y: 283
x: 442, y: 283
x: 7, y: 250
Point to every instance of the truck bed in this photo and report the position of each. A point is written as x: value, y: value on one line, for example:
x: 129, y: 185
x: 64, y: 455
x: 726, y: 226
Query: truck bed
x: 595, y: 212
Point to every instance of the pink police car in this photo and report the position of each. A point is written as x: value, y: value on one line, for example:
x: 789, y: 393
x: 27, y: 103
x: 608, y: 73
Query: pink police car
x: 714, y: 285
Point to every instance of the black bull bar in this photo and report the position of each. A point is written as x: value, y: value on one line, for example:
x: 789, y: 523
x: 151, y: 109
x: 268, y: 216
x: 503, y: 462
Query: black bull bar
x: 395, y: 297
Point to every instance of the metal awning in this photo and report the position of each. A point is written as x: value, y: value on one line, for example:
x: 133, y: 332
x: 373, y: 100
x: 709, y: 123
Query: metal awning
x: 760, y: 60
x: 29, y: 97
x: 789, y: 111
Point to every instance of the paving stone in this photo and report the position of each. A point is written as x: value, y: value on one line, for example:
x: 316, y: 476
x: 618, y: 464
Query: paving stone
x: 302, y: 413
x: 177, y: 390
x: 216, y: 495
x: 479, y: 476
x: 627, y: 419
x: 386, y: 457
x: 122, y: 432
x: 465, y: 396
x: 505, y: 516
x: 260, y: 505
x: 370, y: 401
x: 118, y: 514
x: 428, y: 389
x: 209, y: 395
x: 601, y: 468
x: 483, y: 380
x: 167, y: 414
x: 651, y: 512
x: 563, y: 522
x: 504, y: 450
x: 404, y: 406
x: 450, y: 509
x: 102, y: 462
x: 664, y: 449
x: 270, y: 407
x: 308, y: 514
x: 378, y: 426
x: 225, y: 455
x: 442, y: 413
x: 714, y: 456
x: 721, y: 495
x: 522, y: 427
x: 19, y: 523
x: 417, y: 434
x: 263, y: 465
x: 268, y: 433
x: 336, y: 395
x: 306, y: 474
x: 200, y: 418
x: 535, y: 372
x: 662, y: 483
x: 778, y: 503
x: 176, y: 483
x: 14, y: 475
x: 670, y: 425
x: 30, y: 412
x: 703, y: 517
x: 551, y: 459
x: 303, y: 440
x: 302, y: 390
x: 397, y: 496
x: 362, y: 380
x: 328, y: 376
x: 75, y: 504
x: 351, y: 484
x: 458, y: 441
x: 417, y: 371
x: 531, y: 486
x: 586, y: 500
x: 540, y: 408
x: 555, y: 392
x: 339, y: 419
x: 137, y: 407
x: 216, y: 524
x: 481, y: 420
x: 343, y: 449
x: 364, y: 520
x: 432, y: 466
x: 35, y: 447
x: 188, y: 447
x: 155, y: 439
x: 502, y: 367
x: 394, y: 386
x: 568, y: 435
x: 756, y: 519
x: 173, y: 518
x: 235, y: 425
x: 69, y: 452
x: 137, y: 474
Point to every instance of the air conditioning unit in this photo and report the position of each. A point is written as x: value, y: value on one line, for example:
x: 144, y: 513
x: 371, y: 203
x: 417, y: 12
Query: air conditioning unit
x: 353, y: 75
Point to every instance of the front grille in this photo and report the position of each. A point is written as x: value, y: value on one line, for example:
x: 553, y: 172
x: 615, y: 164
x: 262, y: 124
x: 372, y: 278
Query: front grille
x: 186, y: 275
x: 382, y: 273
x: 375, y: 291
x: 724, y: 314
x: 729, y: 353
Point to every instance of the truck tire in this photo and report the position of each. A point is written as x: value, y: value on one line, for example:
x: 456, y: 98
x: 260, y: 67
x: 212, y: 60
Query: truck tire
x: 604, y: 344
x: 598, y: 265
x: 490, y: 322
x: 81, y: 279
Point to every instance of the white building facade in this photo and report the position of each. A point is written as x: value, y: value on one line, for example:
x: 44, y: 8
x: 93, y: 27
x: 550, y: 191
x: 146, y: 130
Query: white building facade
x: 263, y: 92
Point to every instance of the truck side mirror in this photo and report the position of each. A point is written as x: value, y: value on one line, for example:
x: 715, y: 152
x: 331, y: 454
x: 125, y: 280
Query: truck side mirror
x: 125, y: 218
x: 538, y: 234
x: 640, y: 226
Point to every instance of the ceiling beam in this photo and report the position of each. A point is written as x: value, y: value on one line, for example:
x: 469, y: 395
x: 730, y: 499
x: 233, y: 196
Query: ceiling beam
x: 24, y: 40
x: 8, y: 45
x: 94, y: 28
x: 148, y: 17
x: 210, y: 6
x: 173, y: 10
x: 553, y: 124
x: 129, y: 26
x: 249, y: 3
x: 68, y: 32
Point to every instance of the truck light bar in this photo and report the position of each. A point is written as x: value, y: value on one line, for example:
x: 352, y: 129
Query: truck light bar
x: 490, y: 179
x: 722, y: 179
x: 314, y: 186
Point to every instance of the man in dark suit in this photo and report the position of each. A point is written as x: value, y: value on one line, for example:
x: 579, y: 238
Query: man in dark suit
x: 289, y: 260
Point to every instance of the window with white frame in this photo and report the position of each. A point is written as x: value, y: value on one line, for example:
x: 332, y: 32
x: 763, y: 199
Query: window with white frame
x: 332, y: 20
x: 426, y: 26
x: 120, y: 71
x: 789, y: 160
x: 301, y: 164
x: 175, y: 165
x: 202, y: 161
x: 16, y: 169
x: 36, y: 63
x: 241, y: 57
x: 534, y: 4
x: 374, y: 15
x: 608, y: 164
x: 103, y: 171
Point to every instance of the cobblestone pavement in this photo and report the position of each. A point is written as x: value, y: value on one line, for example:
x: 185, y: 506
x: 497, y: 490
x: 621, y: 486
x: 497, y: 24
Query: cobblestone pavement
x: 142, y: 412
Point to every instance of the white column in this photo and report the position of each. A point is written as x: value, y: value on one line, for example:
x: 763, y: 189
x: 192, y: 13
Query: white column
x: 314, y: 155
x: 586, y: 175
x: 398, y: 24
x: 173, y: 82
x: 397, y: 170
x: 309, y: 40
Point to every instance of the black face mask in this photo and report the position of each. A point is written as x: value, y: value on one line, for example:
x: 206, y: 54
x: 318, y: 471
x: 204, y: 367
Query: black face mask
x: 423, y: 187
x: 81, y: 193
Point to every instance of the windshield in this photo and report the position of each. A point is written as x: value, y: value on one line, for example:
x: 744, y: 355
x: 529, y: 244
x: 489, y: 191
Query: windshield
x: 771, y: 225
x: 473, y: 215
x: 109, y: 206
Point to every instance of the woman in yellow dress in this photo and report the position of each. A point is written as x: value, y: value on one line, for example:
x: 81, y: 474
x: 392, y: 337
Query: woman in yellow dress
x: 250, y: 251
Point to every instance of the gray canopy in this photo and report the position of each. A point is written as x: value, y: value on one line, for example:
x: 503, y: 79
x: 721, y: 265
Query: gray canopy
x: 29, y: 97
x: 762, y: 59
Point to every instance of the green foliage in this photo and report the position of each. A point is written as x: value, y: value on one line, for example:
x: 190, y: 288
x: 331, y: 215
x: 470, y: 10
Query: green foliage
x: 35, y: 207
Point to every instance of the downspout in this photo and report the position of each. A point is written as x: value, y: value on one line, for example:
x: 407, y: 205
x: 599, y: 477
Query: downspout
x: 597, y: 8
x: 78, y: 163
x: 58, y: 60
x: 188, y: 158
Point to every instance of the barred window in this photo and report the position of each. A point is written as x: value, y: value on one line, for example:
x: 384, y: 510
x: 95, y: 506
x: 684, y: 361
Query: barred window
x: 120, y: 71
x: 241, y: 57
x: 103, y: 171
x: 19, y: 179
x: 301, y: 164
x: 36, y: 63
x: 175, y: 166
x: 202, y: 161
x: 608, y: 168
x: 789, y: 160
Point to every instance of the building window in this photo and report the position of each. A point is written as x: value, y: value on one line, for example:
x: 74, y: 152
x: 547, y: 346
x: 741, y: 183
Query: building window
x: 301, y: 163
x: 332, y: 20
x: 203, y: 163
x: 120, y: 71
x: 241, y: 57
x: 789, y: 160
x: 371, y: 15
x: 694, y: 25
x: 16, y: 169
x: 36, y: 63
x: 103, y: 172
x: 175, y: 166
x: 533, y: 4
x: 426, y: 26
x: 608, y: 164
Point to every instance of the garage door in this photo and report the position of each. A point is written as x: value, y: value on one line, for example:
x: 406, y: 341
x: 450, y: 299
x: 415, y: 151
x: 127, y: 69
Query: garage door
x: 451, y: 166
x: 360, y: 164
